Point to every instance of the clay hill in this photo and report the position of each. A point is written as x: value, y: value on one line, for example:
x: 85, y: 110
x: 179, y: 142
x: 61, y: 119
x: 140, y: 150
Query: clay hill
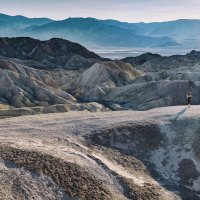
x: 58, y: 76
x: 46, y: 76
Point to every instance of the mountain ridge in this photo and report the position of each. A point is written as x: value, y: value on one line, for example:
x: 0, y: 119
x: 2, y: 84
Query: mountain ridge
x: 22, y: 21
x: 87, y: 31
x: 55, y: 52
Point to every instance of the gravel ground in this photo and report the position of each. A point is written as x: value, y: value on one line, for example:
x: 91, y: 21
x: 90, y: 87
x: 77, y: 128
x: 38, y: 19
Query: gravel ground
x: 82, y: 155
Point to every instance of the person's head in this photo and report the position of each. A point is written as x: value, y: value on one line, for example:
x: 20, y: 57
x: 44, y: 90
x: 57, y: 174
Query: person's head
x: 189, y: 93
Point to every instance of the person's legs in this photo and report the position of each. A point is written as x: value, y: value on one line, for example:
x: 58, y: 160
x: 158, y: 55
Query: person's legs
x: 189, y: 100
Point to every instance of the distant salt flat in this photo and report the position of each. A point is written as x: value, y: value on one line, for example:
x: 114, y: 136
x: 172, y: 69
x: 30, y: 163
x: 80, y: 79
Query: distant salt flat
x: 114, y: 53
x: 118, y: 53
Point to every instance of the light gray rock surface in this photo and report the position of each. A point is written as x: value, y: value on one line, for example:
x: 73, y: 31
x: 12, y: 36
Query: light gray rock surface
x: 154, y: 94
x: 96, y: 82
x: 46, y: 73
x: 113, y: 155
x: 21, y: 90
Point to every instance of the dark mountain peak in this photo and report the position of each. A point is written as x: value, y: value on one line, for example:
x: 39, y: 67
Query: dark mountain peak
x: 194, y: 52
x: 75, y: 22
x: 82, y: 19
x: 15, y: 39
x: 54, y: 53
x: 150, y: 54
x: 66, y: 46
x: 194, y: 55
x: 17, y: 43
x: 59, y: 41
x: 139, y: 60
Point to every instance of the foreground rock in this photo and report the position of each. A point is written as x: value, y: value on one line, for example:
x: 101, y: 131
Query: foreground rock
x: 113, y: 155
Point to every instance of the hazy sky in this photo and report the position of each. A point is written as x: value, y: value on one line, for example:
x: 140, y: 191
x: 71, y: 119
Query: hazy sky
x: 124, y: 10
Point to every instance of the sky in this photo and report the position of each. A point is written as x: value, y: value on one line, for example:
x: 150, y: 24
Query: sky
x: 123, y: 10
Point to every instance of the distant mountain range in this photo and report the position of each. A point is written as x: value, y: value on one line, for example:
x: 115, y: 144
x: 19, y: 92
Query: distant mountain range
x: 21, y: 21
x: 105, y: 33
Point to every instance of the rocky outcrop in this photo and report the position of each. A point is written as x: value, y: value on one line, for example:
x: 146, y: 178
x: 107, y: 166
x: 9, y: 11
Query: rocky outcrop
x: 156, y: 63
x: 27, y: 81
x: 8, y: 111
x: 139, y: 60
x: 53, y: 78
x: 20, y: 90
x: 46, y: 73
x: 154, y: 94
x: 156, y: 90
x: 169, y: 76
x: 97, y: 81
x: 113, y: 155
x: 15, y: 181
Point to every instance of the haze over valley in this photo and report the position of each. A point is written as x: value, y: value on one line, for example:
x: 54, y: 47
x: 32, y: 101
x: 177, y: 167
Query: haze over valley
x: 109, y: 36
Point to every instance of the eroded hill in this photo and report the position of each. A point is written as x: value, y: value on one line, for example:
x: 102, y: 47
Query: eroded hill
x: 58, y: 76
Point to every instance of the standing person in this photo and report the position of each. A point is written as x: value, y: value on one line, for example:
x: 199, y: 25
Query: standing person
x: 189, y: 98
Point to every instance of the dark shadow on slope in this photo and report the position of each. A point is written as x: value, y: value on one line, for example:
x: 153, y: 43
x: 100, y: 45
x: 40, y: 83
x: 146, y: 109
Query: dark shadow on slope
x: 148, y: 136
x: 177, y: 115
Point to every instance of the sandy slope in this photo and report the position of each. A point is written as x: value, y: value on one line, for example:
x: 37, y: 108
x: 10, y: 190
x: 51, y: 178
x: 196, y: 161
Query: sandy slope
x: 111, y: 155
